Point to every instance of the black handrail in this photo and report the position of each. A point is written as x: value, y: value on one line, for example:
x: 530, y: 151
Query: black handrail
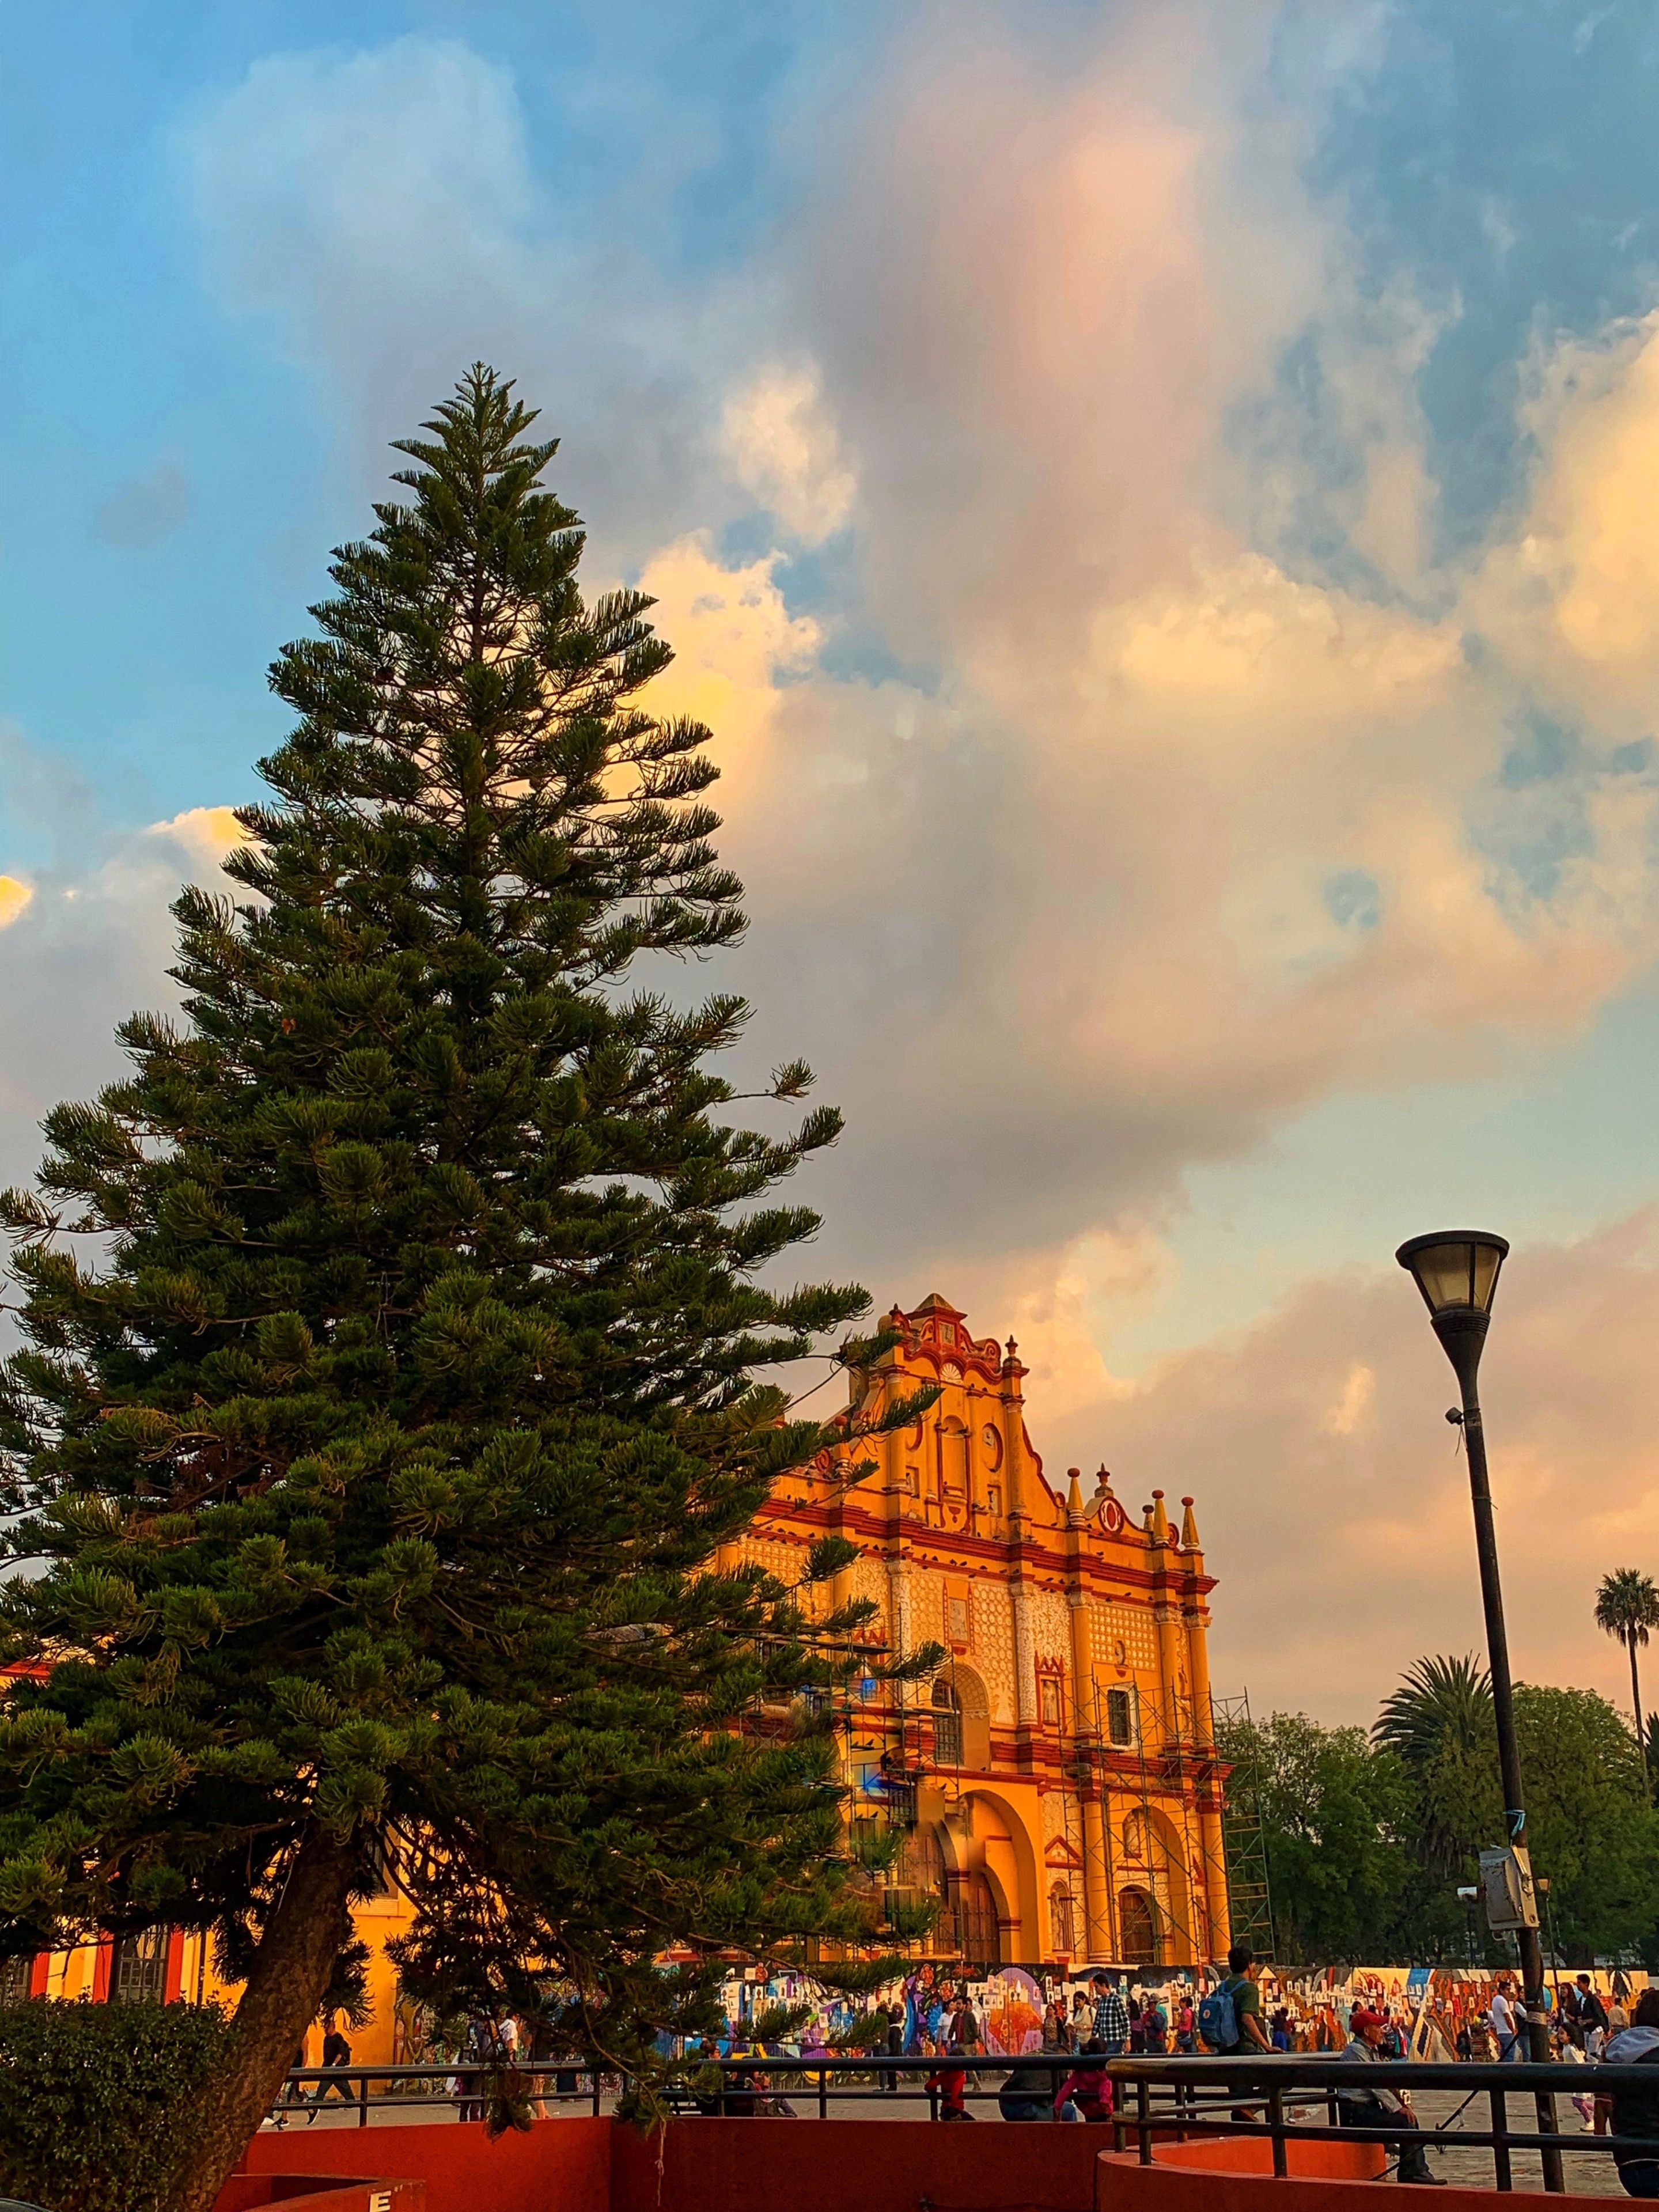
x: 1155, y: 2098
x: 1262, y: 2081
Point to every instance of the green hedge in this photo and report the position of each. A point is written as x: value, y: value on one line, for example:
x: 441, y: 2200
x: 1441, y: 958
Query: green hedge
x: 95, y: 2099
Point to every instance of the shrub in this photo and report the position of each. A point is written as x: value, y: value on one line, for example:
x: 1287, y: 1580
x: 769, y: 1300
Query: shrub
x: 95, y: 2099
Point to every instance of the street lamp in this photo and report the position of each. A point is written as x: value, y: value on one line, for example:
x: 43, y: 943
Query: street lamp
x: 1457, y: 1270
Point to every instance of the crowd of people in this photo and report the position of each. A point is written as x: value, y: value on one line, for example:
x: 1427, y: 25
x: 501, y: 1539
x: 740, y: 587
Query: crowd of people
x: 1085, y: 2023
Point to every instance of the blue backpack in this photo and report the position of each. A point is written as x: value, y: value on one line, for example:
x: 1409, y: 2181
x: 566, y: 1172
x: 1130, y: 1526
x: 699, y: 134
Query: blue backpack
x: 1218, y: 2021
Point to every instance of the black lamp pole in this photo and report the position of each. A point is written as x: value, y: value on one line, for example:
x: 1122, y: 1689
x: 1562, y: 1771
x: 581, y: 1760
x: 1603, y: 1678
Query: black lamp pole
x: 1456, y: 1271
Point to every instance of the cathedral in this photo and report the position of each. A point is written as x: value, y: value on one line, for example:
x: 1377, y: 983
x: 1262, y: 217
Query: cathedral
x: 1056, y: 1782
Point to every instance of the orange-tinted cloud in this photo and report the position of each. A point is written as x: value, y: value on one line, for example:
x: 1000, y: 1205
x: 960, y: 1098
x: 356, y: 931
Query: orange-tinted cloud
x: 1333, y: 1500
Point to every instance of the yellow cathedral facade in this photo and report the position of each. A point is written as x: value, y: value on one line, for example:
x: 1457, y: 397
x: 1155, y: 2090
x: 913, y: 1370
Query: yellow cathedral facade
x: 1056, y: 1780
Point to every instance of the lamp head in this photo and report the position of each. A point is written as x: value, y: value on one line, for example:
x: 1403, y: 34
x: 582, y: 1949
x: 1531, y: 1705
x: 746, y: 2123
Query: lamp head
x: 1456, y: 1270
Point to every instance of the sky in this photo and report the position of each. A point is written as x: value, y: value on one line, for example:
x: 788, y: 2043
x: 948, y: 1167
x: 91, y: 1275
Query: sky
x: 1157, y: 503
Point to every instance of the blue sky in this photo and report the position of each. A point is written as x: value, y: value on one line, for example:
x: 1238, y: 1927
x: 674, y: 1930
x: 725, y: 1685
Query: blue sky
x: 1150, y: 498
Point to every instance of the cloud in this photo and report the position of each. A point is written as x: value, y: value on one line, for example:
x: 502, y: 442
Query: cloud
x: 1332, y: 1499
x: 381, y: 215
x: 1132, y: 774
x: 147, y: 511
x: 735, y: 644
x: 205, y: 834
x: 88, y: 943
x: 782, y: 447
x: 1570, y: 593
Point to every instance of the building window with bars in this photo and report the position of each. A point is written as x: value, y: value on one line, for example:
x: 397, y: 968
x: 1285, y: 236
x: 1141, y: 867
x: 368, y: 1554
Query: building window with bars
x: 138, y: 1968
x: 947, y: 1725
x: 1121, y: 1716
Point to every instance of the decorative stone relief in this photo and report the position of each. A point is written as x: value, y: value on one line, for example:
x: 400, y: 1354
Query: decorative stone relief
x: 1112, y: 1626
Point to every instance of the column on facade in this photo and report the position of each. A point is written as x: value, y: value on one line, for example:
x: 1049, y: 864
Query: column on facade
x: 1166, y: 1612
x: 1211, y: 1839
x: 1096, y: 1896
x: 1016, y: 1478
x: 891, y: 1449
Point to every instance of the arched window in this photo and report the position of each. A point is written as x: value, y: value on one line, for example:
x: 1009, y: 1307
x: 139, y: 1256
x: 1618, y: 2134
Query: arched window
x: 1062, y: 1928
x: 947, y: 1724
x: 1138, y: 1927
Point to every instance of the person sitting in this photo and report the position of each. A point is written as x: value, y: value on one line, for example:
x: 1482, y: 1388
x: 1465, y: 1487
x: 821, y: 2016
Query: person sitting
x: 1028, y: 2092
x: 1635, y: 2112
x: 1086, y: 2092
x: 1369, y: 2105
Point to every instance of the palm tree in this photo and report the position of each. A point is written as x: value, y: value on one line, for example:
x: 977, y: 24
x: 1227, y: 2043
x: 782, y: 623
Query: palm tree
x: 1627, y: 1607
x: 1439, y: 1703
x: 1441, y: 1714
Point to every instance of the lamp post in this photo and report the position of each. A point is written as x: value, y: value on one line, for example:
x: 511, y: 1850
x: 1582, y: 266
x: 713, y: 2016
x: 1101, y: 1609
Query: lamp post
x: 1456, y: 1270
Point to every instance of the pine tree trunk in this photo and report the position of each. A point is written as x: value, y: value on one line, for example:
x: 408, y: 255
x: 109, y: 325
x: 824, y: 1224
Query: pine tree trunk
x: 290, y: 1974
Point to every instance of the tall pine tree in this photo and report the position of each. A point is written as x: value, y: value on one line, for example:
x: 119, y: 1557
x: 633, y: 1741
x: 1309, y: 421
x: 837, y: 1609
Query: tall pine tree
x: 389, y: 1344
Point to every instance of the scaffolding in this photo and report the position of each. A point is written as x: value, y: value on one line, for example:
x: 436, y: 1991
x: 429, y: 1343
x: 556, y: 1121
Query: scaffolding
x: 1243, y: 1825
x: 1152, y: 1840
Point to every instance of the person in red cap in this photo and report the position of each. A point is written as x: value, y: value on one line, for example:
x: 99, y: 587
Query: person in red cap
x: 1369, y: 2105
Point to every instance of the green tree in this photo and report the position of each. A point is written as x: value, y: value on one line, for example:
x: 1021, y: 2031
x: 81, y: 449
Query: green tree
x: 1590, y: 1823
x: 1438, y: 1723
x: 389, y: 1344
x: 1589, y: 1827
x: 1332, y: 1811
x: 1627, y: 1607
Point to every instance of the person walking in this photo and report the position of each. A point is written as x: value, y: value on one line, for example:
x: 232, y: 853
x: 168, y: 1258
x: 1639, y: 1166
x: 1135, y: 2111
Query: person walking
x: 1186, y: 2026
x: 1154, y: 2026
x: 889, y: 2083
x: 1592, y: 2018
x: 1502, y: 2020
x: 336, y: 2053
x: 1111, y: 2016
x: 1369, y: 2105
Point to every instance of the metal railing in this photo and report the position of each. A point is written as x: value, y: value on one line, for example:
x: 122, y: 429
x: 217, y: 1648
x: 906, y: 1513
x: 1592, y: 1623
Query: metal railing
x: 462, y: 2082
x: 1267, y: 2085
x: 1159, y: 2099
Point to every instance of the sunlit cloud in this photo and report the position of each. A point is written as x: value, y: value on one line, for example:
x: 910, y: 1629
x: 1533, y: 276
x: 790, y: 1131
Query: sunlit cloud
x: 782, y: 446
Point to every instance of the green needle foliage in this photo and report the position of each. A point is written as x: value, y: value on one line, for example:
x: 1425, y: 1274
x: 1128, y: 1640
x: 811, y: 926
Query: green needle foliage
x: 389, y: 1336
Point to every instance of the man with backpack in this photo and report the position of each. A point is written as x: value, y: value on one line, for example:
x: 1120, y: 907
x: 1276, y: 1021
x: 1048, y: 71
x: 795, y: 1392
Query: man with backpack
x: 1230, y: 2020
x: 1229, y: 2016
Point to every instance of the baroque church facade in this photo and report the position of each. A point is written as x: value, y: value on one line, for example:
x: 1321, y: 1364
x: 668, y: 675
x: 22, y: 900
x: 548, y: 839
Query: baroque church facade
x: 1056, y: 1780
